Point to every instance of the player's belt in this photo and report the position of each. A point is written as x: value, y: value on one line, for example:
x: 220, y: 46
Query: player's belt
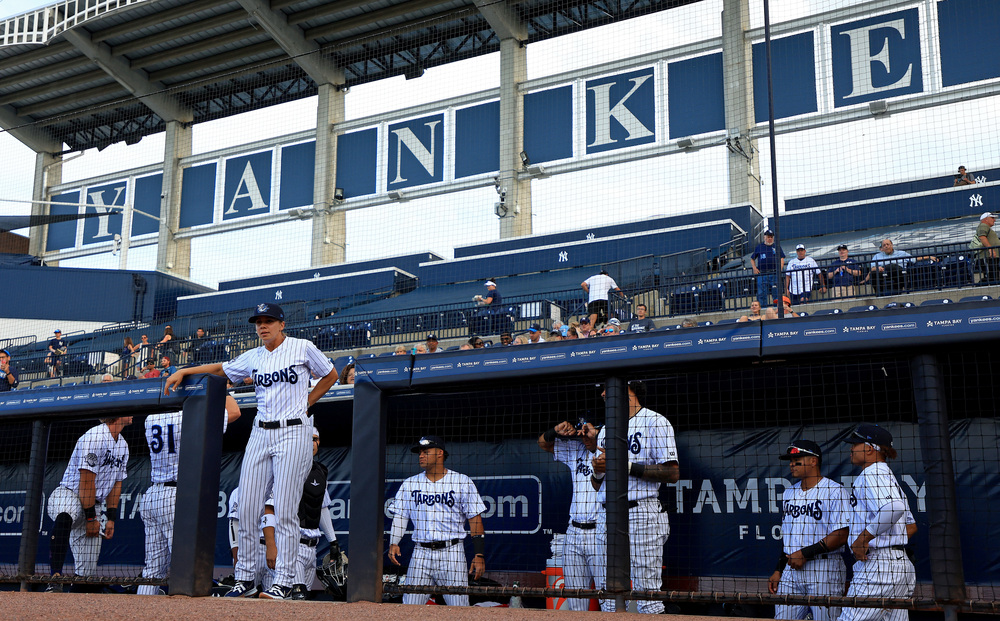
x: 898, y: 548
x: 311, y: 542
x: 277, y: 424
x: 438, y: 545
x: 632, y: 504
x: 584, y: 525
x: 170, y: 484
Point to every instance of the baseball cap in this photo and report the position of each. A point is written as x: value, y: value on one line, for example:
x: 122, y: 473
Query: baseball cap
x: 432, y: 337
x: 506, y: 335
x: 787, y: 300
x: 490, y: 283
x: 800, y: 247
x: 585, y: 319
x: 799, y: 448
x: 614, y: 321
x: 268, y: 310
x: 427, y: 442
x: 57, y: 332
x: 987, y: 215
x: 315, y: 432
x: 555, y: 333
x: 564, y: 329
x: 871, y: 434
x: 534, y: 328
x: 842, y: 247
x: 769, y: 232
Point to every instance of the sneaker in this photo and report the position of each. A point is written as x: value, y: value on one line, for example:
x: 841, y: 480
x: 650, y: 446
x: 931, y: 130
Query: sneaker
x: 298, y: 592
x: 54, y: 587
x: 276, y: 592
x: 242, y: 588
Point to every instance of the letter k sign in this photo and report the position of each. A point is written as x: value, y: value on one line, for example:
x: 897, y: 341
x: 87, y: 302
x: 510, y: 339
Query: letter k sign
x: 621, y: 111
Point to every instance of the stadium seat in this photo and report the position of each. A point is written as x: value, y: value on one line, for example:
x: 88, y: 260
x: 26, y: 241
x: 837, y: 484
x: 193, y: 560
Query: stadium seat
x: 922, y: 276
x: 453, y: 348
x: 956, y: 271
x: 724, y: 322
x: 862, y: 309
x: 342, y: 362
x: 711, y: 298
x: 936, y: 302
x: 703, y: 324
x: 827, y: 311
x: 976, y: 298
x: 894, y: 305
x: 684, y: 301
x: 387, y: 353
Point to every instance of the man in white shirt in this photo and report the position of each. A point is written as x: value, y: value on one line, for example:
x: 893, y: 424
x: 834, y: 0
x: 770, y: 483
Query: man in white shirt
x: 535, y: 334
x: 799, y: 276
x: 597, y: 288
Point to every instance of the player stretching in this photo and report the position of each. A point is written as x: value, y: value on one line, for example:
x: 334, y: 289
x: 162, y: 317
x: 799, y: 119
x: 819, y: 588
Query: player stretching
x: 438, y: 501
x: 878, y: 528
x: 652, y: 460
x: 94, y: 475
x: 279, y: 451
x: 163, y: 435
x: 575, y: 448
x: 815, y: 513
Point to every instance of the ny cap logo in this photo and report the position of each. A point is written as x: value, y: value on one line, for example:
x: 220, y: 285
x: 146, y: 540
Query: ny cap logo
x: 261, y: 308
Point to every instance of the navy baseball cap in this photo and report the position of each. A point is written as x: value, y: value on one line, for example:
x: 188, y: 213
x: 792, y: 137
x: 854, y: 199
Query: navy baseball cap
x: 534, y: 328
x: 585, y: 319
x: 427, y: 442
x: 870, y: 434
x: 800, y: 448
x: 432, y: 337
x: 842, y: 247
x: 268, y: 310
x: 769, y: 232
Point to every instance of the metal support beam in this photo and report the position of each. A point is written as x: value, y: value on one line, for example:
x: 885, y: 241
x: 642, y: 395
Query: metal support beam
x: 513, y: 72
x: 136, y: 82
x: 329, y: 233
x: 33, y: 500
x: 737, y: 71
x: 35, y: 138
x: 48, y: 173
x: 305, y: 52
x: 367, y: 492
x: 173, y: 255
x: 504, y: 21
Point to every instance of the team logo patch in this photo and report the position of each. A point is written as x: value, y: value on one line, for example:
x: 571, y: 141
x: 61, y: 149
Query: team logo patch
x: 261, y: 308
x: 91, y: 459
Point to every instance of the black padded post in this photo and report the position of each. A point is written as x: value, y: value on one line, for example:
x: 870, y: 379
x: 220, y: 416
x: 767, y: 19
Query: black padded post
x: 367, y: 493
x: 193, y: 557
x: 616, y: 485
x: 33, y: 500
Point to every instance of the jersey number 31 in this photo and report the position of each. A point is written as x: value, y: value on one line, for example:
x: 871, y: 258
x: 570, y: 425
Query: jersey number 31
x: 156, y: 443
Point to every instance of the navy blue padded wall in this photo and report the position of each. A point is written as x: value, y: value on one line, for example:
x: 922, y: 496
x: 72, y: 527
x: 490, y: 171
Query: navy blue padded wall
x: 408, y: 263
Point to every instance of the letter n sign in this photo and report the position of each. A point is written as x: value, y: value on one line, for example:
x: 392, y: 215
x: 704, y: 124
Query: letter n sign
x: 876, y: 58
x: 621, y: 111
x: 416, y: 152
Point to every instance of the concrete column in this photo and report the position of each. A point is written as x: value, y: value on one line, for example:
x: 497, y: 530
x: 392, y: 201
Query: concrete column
x: 513, y: 72
x: 173, y: 256
x: 48, y: 172
x: 329, y: 233
x: 737, y: 75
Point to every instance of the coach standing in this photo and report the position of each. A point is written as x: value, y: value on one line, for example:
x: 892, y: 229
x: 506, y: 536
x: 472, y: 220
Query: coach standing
x: 279, y: 452
x: 878, y: 527
x: 815, y: 514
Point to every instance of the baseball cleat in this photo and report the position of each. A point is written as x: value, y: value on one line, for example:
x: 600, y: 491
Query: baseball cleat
x: 276, y: 592
x: 242, y: 588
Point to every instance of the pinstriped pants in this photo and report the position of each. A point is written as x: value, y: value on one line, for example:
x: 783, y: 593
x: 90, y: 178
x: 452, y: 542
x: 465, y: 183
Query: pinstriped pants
x: 276, y: 463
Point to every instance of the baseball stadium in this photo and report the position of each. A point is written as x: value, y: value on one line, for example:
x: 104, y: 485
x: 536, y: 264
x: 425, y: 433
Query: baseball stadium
x: 471, y: 307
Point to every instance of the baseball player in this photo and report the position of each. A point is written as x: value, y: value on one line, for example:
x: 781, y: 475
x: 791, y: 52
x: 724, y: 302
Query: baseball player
x: 575, y: 448
x: 439, y: 502
x: 263, y: 575
x: 163, y: 435
x: 314, y: 520
x: 814, y: 520
x: 652, y: 460
x: 279, y: 445
x: 94, y: 475
x: 878, y: 531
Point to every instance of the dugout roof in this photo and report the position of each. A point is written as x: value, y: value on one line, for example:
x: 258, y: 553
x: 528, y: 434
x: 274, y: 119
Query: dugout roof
x: 71, y: 71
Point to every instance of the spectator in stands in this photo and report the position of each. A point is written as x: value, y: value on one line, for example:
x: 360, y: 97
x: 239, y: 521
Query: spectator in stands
x: 128, y: 355
x: 597, y: 288
x: 150, y: 371
x: 107, y: 377
x: 347, y: 374
x: 786, y: 302
x: 986, y: 240
x: 765, y: 260
x: 799, y: 276
x: 167, y: 346
x: 8, y: 378
x: 535, y: 334
x: 400, y: 351
x: 963, y: 177
x: 166, y: 367
x: 888, y: 264
x: 57, y: 348
x: 432, y: 344
x: 506, y: 339
x: 145, y: 350
x: 200, y: 334
x: 585, y: 329
x: 754, y: 314
x: 477, y: 343
x: 420, y: 348
x: 467, y: 346
x: 555, y: 335
x: 842, y: 273
x: 770, y: 313
x: 688, y: 322
x: 557, y: 326
x: 613, y: 328
x: 491, y: 300
x: 641, y: 323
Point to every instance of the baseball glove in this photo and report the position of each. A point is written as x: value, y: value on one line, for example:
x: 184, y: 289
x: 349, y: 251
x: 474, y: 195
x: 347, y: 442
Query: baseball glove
x: 333, y: 572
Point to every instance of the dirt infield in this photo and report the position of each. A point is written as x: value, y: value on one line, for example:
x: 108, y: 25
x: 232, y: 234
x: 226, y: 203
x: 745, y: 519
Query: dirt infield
x: 43, y: 607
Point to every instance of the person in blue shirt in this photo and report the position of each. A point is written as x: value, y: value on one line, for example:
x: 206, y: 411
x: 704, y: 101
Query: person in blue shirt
x: 765, y: 260
x: 842, y: 273
x: 57, y: 347
x: 166, y: 368
x: 888, y: 265
x: 8, y: 378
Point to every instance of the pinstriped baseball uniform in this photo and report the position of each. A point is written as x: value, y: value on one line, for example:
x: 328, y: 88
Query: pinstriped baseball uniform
x: 580, y: 550
x: 99, y: 452
x: 163, y: 435
x: 276, y: 461
x: 438, y: 510
x: 650, y: 441
x: 808, y: 516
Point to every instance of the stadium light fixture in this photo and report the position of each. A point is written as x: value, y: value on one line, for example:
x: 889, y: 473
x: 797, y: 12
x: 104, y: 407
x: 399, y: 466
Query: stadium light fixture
x: 685, y: 143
